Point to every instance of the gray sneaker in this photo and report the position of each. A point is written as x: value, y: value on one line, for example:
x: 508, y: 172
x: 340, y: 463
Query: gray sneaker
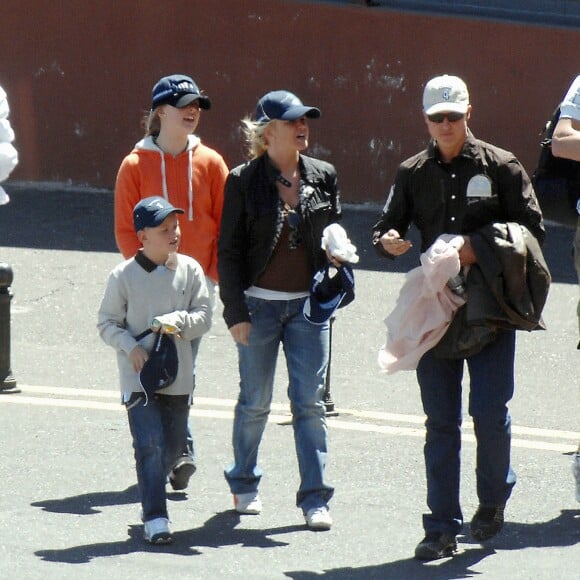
x: 318, y: 518
x: 157, y: 531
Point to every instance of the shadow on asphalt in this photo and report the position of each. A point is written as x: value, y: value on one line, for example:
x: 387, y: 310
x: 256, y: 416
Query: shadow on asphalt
x: 62, y: 217
x: 219, y: 531
x: 88, y: 503
x: 561, y: 531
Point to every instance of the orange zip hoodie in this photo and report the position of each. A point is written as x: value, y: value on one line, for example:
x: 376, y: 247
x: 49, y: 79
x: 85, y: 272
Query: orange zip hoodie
x: 193, y: 181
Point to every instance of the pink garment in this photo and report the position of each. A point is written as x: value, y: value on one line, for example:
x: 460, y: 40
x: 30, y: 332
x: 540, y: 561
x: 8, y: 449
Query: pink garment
x: 424, y: 308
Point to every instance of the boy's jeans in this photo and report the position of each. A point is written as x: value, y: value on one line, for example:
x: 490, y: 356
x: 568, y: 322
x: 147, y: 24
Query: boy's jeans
x: 306, y: 348
x: 491, y: 373
x: 158, y: 429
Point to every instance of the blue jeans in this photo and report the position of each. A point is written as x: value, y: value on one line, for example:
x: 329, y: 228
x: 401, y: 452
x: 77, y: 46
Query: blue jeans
x: 306, y: 347
x: 491, y: 374
x: 189, y: 448
x: 158, y: 430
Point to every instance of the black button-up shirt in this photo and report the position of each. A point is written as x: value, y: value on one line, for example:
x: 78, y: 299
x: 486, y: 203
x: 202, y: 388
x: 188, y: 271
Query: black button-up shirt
x: 482, y: 185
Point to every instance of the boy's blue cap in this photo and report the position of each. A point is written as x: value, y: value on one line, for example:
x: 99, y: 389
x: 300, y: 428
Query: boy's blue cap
x: 177, y: 91
x: 151, y: 211
x: 283, y: 106
x: 331, y: 289
x: 160, y: 369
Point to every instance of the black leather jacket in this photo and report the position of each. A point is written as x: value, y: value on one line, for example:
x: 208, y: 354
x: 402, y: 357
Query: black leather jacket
x: 251, y: 224
x: 507, y: 289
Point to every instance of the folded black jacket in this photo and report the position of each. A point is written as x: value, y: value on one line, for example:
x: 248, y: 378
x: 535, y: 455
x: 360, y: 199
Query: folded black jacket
x: 506, y: 289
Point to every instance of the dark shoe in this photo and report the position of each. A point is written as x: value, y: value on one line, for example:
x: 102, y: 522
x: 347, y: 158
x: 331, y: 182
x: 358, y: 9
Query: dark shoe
x: 181, y: 473
x: 487, y: 522
x: 436, y: 545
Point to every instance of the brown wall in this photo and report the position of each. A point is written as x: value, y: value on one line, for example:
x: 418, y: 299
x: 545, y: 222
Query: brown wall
x: 78, y: 77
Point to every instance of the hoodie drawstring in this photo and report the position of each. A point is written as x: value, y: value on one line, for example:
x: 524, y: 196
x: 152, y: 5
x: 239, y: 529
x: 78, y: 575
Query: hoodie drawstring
x: 190, y: 186
x: 189, y: 180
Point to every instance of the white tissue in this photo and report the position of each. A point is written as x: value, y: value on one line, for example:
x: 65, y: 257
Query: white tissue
x: 335, y: 240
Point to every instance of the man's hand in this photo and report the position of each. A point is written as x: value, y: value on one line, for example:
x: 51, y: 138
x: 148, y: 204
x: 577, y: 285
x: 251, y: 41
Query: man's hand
x: 466, y: 254
x: 241, y: 333
x: 394, y: 244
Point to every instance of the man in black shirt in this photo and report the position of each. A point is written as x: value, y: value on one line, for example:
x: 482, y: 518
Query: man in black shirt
x: 458, y: 185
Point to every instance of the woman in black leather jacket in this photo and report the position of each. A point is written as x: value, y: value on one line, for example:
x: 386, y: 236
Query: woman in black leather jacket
x: 275, y: 210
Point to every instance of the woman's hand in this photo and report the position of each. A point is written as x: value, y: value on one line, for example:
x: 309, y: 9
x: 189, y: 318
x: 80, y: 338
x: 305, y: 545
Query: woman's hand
x: 241, y: 333
x: 334, y: 261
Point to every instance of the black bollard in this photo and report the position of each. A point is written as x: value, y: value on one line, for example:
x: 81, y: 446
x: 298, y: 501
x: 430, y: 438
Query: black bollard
x: 7, y: 381
x: 328, y: 402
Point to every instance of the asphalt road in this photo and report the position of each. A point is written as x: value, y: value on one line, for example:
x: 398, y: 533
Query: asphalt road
x: 69, y: 507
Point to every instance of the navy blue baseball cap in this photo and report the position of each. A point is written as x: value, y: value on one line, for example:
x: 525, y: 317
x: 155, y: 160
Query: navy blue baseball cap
x: 151, y: 211
x: 177, y: 91
x: 160, y: 369
x: 283, y: 106
x: 331, y: 288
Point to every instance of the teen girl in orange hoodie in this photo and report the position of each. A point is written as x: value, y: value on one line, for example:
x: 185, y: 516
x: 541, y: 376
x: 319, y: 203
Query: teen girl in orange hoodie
x: 171, y: 161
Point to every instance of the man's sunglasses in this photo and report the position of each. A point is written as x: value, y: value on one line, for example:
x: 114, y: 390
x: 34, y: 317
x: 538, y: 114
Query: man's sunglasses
x: 440, y: 117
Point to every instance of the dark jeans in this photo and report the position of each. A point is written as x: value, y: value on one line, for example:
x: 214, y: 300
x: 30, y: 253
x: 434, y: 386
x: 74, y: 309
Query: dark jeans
x: 158, y: 429
x: 491, y: 373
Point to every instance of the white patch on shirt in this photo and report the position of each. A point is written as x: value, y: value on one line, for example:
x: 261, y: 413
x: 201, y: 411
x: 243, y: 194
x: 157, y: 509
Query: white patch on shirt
x: 479, y: 186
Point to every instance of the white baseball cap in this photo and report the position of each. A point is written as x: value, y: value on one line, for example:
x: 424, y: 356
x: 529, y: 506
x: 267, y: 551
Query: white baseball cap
x: 445, y: 94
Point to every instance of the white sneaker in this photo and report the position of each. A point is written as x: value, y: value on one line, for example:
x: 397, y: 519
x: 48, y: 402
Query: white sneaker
x: 318, y: 518
x: 248, y: 503
x: 157, y: 531
x: 576, y: 472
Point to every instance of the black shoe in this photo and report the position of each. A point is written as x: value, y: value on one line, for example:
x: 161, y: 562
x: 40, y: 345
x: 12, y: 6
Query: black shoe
x: 181, y: 473
x: 436, y: 545
x: 487, y: 522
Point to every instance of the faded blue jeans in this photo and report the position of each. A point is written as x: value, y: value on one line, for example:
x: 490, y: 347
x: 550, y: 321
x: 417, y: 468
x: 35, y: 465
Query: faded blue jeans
x: 306, y: 347
x: 158, y: 429
x: 491, y: 373
x: 189, y: 446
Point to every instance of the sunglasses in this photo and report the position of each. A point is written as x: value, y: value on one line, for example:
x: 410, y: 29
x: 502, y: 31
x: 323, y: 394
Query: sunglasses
x: 440, y: 117
x: 293, y: 219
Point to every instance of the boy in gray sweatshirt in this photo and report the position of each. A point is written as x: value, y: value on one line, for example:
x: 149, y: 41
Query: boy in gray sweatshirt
x: 165, y: 292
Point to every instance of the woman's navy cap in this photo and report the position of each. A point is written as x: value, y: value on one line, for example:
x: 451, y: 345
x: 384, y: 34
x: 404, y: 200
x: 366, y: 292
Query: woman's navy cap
x: 329, y: 292
x: 177, y: 91
x: 283, y: 106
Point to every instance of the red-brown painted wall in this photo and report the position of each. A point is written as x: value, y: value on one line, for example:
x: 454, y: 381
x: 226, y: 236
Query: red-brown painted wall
x: 78, y: 77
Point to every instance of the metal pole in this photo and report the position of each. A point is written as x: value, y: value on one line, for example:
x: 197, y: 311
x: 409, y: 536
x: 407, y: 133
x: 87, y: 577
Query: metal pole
x: 328, y: 402
x: 7, y: 381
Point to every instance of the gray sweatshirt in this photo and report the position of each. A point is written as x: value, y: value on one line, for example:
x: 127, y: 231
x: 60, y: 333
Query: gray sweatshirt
x: 138, y: 291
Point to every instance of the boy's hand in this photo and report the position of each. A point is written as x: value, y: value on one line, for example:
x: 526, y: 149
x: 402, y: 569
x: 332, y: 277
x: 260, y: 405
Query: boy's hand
x: 157, y: 325
x: 138, y: 357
